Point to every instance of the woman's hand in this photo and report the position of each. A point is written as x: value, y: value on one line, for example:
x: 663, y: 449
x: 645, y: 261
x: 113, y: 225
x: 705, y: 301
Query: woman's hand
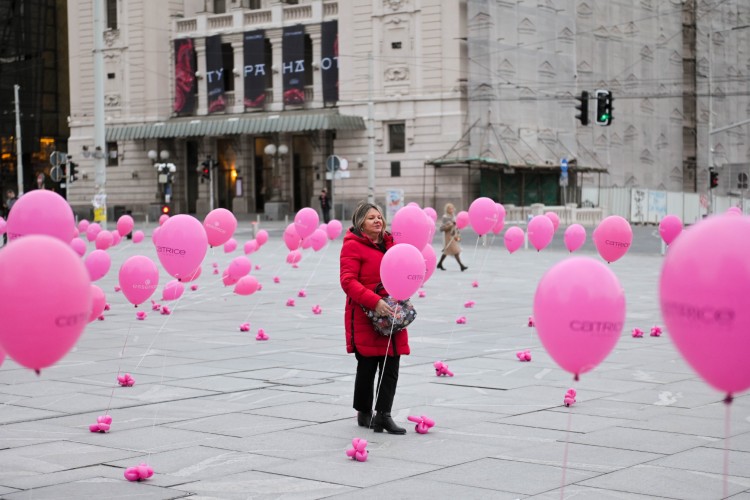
x: 383, y: 309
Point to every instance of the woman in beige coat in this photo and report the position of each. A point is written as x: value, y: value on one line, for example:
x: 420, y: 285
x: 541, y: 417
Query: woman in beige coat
x: 451, y: 236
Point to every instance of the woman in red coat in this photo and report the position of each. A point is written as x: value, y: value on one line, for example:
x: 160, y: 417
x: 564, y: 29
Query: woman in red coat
x: 365, y: 244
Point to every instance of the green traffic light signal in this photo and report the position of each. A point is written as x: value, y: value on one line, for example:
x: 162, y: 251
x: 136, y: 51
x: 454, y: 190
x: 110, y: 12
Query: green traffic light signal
x: 604, y: 107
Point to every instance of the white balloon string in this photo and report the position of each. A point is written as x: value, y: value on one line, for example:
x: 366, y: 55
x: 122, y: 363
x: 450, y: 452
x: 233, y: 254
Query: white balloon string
x: 158, y: 332
x: 385, y: 359
x: 565, y: 453
x: 727, y: 425
x: 312, y: 275
x: 119, y: 365
x: 156, y: 407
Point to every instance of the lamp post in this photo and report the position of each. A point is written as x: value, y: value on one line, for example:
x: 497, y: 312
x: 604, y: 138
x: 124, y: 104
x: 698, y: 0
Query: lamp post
x: 276, y: 153
x: 165, y: 172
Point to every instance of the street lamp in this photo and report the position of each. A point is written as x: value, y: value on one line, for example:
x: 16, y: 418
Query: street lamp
x: 277, y: 154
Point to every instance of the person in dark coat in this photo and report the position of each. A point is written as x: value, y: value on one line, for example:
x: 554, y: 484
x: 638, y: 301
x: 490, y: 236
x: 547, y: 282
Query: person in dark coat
x: 325, y: 205
x: 365, y: 243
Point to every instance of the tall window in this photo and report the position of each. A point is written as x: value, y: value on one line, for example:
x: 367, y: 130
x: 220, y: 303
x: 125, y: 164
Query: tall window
x: 227, y: 62
x: 113, y: 157
x: 308, y: 61
x: 396, y: 138
x: 269, y: 63
x: 395, y: 169
x: 220, y: 6
x: 112, y: 14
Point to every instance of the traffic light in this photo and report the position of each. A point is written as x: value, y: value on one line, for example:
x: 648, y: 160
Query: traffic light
x: 204, y: 170
x: 165, y: 209
x: 714, y: 179
x: 583, y: 108
x: 604, y: 107
x: 72, y: 172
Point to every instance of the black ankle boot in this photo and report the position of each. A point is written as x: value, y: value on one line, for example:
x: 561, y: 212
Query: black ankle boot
x: 464, y: 268
x: 364, y: 418
x: 440, y: 266
x: 383, y: 421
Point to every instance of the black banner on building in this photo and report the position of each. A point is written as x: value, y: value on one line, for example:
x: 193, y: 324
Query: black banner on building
x: 254, y: 71
x: 329, y: 60
x: 215, y: 74
x: 293, y: 64
x: 184, y: 76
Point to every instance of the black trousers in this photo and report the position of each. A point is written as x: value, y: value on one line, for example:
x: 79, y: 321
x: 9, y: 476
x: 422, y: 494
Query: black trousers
x: 365, y: 379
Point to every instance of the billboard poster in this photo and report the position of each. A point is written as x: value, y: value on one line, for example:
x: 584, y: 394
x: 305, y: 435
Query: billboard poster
x: 329, y: 61
x: 215, y: 74
x: 184, y: 76
x: 293, y: 64
x: 254, y: 71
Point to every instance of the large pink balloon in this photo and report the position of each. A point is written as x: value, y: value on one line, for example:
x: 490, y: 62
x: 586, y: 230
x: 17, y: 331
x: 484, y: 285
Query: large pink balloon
x: 669, y: 228
x: 182, y: 245
x: 98, y: 302
x: 513, y: 238
x: 292, y: 240
x: 239, y: 267
x: 227, y: 279
x: 45, y: 299
x: 220, y: 225
x: 125, y: 224
x: 2, y: 355
x: 306, y: 221
x: 703, y: 291
x: 230, y: 246
x: 3, y: 225
x: 500, y: 211
x: 411, y: 225
x: 554, y: 218
x: 115, y: 238
x: 250, y: 247
x: 104, y: 240
x: 402, y: 271
x: 431, y: 213
x: 173, y: 290
x: 41, y: 212
x: 92, y: 231
x: 98, y: 263
x: 462, y: 219
x: 613, y: 237
x: 498, y: 227
x: 318, y: 239
x: 139, y: 278
x: 79, y: 246
x: 483, y: 215
x: 430, y: 261
x: 261, y: 237
x: 333, y: 229
x: 579, y: 310
x: 138, y: 236
x: 247, y: 285
x: 540, y: 232
x: 575, y: 237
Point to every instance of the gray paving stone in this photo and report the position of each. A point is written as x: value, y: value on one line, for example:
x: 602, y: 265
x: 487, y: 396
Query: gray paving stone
x: 641, y: 440
x: 425, y: 489
x: 16, y: 413
x: 578, y: 492
x: 708, y: 460
x: 97, y: 488
x: 238, y: 425
x: 147, y: 440
x: 26, y: 479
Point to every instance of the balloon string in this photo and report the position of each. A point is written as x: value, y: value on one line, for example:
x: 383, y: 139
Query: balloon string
x: 727, y: 425
x: 119, y: 366
x: 156, y: 407
x: 385, y: 359
x: 312, y: 275
x: 565, y: 452
x: 158, y: 332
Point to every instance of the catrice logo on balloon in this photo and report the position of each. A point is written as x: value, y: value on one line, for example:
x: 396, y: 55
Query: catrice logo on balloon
x: 595, y: 327
x: 620, y: 244
x: 415, y: 277
x: 217, y: 227
x: 68, y: 320
x: 170, y: 250
x: 146, y: 285
x: 705, y: 314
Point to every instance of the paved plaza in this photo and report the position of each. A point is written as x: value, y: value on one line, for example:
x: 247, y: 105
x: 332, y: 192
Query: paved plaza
x: 218, y: 414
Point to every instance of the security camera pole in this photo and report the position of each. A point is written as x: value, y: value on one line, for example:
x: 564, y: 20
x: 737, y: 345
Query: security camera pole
x: 100, y: 165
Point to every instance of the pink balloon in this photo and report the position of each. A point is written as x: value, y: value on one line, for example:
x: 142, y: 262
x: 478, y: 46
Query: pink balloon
x: 431, y: 213
x: 483, y: 215
x: 306, y: 221
x: 227, y: 279
x: 230, y: 246
x: 579, y: 310
x: 98, y: 263
x: 2, y: 355
x: 513, y: 238
x: 294, y: 257
x: 540, y: 232
x: 164, y: 218
x: 116, y: 238
x: 125, y: 224
x: 41, y: 212
x: 173, y: 290
x: 402, y: 270
x: 499, y: 225
x: 104, y: 240
x: 412, y: 204
x: 261, y: 237
x: 334, y: 229
x: 79, y: 246
x: 462, y: 219
x: 155, y: 236
x: 139, y: 278
x: 669, y: 228
x: 83, y: 224
x: 307, y: 243
x: 251, y: 247
x: 137, y: 236
x: 220, y: 225
x: 45, y: 299
x: 247, y: 285
x: 575, y: 237
x: 193, y: 275
x: 734, y: 211
x: 182, y: 245
x: 500, y: 211
x: 3, y: 225
x: 613, y: 237
x: 410, y: 225
x: 292, y: 240
x: 98, y: 301
x: 555, y: 220
x: 430, y: 261
x: 239, y: 267
x: 323, y: 227
x: 703, y: 291
x: 92, y: 231
x: 318, y: 239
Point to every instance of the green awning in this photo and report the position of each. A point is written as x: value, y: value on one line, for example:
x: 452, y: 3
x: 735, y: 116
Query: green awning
x: 215, y: 126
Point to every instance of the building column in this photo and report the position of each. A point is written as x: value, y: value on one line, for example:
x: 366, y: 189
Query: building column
x: 317, y: 74
x: 238, y: 50
x: 200, y: 57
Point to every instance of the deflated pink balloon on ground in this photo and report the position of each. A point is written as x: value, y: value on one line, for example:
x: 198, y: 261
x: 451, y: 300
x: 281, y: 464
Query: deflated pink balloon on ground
x: 125, y: 224
x: 575, y: 237
x: 98, y: 301
x: 402, y: 271
x: 98, y: 263
x: 334, y: 228
x: 220, y: 225
x: 261, y: 237
x: 513, y: 238
x: 137, y: 236
x: 41, y: 212
x: 247, y: 285
x: 669, y: 228
x: 45, y: 300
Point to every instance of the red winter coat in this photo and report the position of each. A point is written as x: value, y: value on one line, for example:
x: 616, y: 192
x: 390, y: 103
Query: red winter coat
x: 360, y: 275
